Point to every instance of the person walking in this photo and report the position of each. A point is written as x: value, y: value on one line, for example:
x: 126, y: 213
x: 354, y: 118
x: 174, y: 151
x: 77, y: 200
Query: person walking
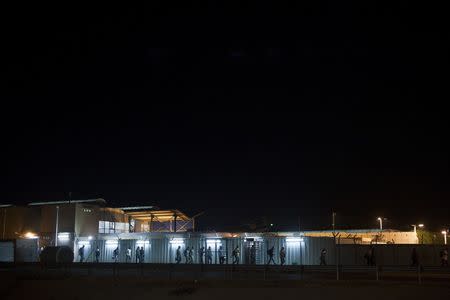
x: 253, y: 255
x: 282, y: 256
x: 185, y: 254
x: 201, y: 253
x: 221, y: 255
x: 323, y: 257
x: 138, y: 255
x: 116, y: 254
x: 97, y: 255
x: 209, y: 256
x: 81, y: 253
x: 373, y: 259
x: 270, y: 254
x: 178, y: 255
x: 236, y: 255
x: 444, y: 257
x: 128, y: 255
x: 190, y: 253
x: 142, y: 255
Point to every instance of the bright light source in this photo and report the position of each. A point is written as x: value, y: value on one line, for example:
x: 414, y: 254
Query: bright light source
x: 444, y: 232
x: 90, y: 237
x: 271, y: 224
x: 213, y: 242
x: 177, y: 241
x: 142, y: 243
x: 112, y: 243
x: 30, y: 235
x: 84, y: 243
x: 64, y: 236
x: 294, y: 239
x: 379, y: 218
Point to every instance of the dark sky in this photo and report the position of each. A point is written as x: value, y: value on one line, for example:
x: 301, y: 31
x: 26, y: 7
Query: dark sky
x: 242, y: 112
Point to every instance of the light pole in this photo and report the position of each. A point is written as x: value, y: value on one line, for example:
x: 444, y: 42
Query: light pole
x: 380, y: 219
x: 56, y: 227
x: 444, y: 233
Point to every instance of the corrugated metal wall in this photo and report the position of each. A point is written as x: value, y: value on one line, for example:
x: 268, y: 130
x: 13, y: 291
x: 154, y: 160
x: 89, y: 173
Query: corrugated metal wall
x: 6, y: 251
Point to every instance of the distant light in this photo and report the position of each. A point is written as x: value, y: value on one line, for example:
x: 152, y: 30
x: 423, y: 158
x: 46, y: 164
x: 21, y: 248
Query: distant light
x: 30, y: 235
x: 84, y: 243
x: 294, y: 239
x: 112, y: 243
x: 142, y: 243
x: 90, y: 237
x: 213, y: 242
x: 64, y: 236
x: 177, y: 241
x: 271, y: 224
x: 421, y: 225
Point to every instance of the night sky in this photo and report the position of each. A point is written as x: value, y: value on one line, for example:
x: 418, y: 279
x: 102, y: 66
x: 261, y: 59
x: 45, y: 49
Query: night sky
x: 251, y: 114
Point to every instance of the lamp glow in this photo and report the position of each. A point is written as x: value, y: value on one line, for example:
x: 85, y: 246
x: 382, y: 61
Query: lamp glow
x: 30, y: 235
x: 294, y: 239
x: 64, y: 236
x: 177, y: 241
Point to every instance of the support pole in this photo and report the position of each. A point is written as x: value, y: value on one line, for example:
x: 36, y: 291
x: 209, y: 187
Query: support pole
x: 56, y: 227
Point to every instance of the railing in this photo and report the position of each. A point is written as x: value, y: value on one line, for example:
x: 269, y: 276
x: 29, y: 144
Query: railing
x: 417, y: 274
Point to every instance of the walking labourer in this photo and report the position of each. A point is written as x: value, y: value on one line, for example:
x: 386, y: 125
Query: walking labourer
x: 282, y: 256
x: 191, y: 259
x: 221, y: 255
x: 209, y: 256
x: 236, y: 254
x: 81, y: 253
x: 270, y: 254
x: 138, y: 255
x: 97, y: 255
x: 178, y: 255
x: 201, y: 253
x: 323, y: 257
x: 142, y: 255
x: 116, y: 254
x: 444, y: 257
x: 253, y: 255
x: 185, y: 254
x: 128, y: 255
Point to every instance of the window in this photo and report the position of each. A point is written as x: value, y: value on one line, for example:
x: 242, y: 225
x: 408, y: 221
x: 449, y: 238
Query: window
x: 112, y: 227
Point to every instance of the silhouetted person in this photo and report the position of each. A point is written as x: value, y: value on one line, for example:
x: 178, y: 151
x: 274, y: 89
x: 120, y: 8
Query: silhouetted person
x: 282, y: 256
x: 373, y: 259
x: 444, y: 257
x: 221, y: 255
x: 138, y: 255
x: 128, y: 255
x: 201, y: 253
x: 253, y: 254
x: 323, y: 257
x: 178, y: 255
x: 81, y: 253
x: 116, y: 254
x: 186, y: 255
x: 270, y: 254
x: 142, y: 255
x: 236, y: 255
x: 190, y: 252
x: 209, y: 255
x: 414, y: 258
x: 97, y: 255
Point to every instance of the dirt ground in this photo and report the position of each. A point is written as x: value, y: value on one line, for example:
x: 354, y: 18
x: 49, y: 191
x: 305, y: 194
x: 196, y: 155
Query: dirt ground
x: 127, y: 289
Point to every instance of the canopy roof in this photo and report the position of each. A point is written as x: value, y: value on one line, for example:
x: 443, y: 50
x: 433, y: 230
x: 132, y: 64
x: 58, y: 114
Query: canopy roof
x: 157, y: 215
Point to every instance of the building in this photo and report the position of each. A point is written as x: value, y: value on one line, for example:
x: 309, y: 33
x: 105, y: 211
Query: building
x: 64, y: 222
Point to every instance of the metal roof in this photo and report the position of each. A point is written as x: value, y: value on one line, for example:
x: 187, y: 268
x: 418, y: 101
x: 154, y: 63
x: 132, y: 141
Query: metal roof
x: 99, y: 200
x: 157, y: 215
